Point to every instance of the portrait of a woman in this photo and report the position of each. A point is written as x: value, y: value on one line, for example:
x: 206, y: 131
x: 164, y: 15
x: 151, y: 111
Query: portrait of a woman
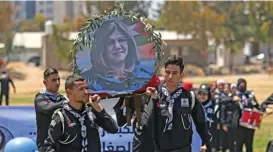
x: 114, y: 58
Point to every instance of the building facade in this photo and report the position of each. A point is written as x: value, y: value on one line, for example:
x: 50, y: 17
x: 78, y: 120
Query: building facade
x: 52, y: 10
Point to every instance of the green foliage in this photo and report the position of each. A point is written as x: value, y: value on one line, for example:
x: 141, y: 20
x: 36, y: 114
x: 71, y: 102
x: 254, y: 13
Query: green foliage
x: 191, y: 17
x: 35, y: 25
x: 8, y: 40
x: 6, y: 12
x: 84, y: 38
x: 62, y: 44
x: 141, y: 7
x: 234, y: 29
x: 261, y: 20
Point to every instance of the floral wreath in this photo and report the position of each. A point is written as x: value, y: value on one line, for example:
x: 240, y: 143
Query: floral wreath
x: 85, y: 38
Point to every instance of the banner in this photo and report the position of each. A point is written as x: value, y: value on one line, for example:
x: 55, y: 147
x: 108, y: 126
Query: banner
x: 20, y: 121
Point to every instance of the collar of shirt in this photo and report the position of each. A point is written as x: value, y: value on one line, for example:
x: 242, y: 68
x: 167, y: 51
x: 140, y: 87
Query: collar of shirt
x: 57, y: 97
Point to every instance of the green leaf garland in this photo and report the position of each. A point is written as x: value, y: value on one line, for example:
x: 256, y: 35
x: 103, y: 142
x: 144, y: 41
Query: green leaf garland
x: 85, y: 38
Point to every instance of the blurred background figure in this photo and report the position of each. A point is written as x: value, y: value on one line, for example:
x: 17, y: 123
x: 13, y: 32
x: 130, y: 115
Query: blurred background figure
x: 233, y: 89
x: 5, y: 80
x: 204, y: 96
x: 227, y: 88
x: 21, y: 144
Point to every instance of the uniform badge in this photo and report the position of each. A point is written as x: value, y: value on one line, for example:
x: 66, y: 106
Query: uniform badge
x: 185, y: 102
x: 71, y: 124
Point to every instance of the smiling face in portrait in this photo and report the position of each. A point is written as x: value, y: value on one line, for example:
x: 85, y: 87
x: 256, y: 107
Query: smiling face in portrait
x: 117, y: 47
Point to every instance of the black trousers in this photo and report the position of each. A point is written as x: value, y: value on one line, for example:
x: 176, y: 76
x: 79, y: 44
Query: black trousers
x: 211, y: 146
x: 244, y: 136
x: 231, y: 139
x: 215, y: 137
x: 227, y: 140
x: 6, y: 98
x: 143, y: 141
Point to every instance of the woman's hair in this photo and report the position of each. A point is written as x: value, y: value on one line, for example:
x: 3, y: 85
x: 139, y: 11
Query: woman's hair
x: 99, y: 46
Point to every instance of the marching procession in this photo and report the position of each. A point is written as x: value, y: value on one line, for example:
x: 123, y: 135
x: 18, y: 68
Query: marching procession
x: 162, y: 111
x: 226, y: 115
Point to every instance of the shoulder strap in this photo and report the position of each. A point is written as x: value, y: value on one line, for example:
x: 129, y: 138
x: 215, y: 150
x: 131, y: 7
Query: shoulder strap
x: 192, y: 99
x: 58, y: 111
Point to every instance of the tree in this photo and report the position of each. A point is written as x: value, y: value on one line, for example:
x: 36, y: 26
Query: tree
x: 194, y: 17
x: 40, y: 20
x: 267, y: 28
x: 8, y: 37
x: 260, y: 15
x: 6, y: 13
x: 156, y: 23
x: 35, y: 25
x: 94, y: 7
x: 28, y: 26
x: 235, y: 29
x: 62, y: 44
x: 78, y: 22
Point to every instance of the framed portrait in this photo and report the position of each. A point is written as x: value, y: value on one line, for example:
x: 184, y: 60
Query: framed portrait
x: 121, y: 57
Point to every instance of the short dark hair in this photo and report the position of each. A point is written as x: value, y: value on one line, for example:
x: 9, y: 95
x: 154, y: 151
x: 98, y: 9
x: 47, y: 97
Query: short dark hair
x: 175, y: 60
x: 50, y: 71
x: 69, y: 82
x: 228, y: 84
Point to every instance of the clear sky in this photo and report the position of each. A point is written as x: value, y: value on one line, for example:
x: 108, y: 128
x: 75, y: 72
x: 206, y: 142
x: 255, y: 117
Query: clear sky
x: 154, y: 7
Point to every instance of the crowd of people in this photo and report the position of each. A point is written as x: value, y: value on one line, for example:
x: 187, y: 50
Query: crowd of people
x: 232, y: 114
x: 224, y: 104
x: 70, y: 123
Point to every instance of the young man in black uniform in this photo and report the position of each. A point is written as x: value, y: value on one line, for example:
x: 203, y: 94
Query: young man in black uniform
x: 204, y: 96
x: 172, y: 110
x: 46, y: 102
x: 247, y: 100
x: 74, y: 127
